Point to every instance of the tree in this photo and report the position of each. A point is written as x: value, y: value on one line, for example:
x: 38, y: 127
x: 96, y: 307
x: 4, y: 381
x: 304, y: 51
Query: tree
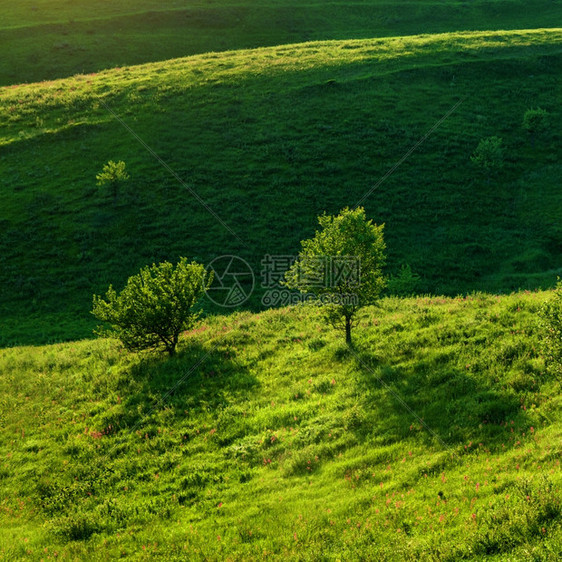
x: 551, y: 323
x: 155, y: 306
x: 113, y: 174
x: 489, y: 154
x: 535, y: 121
x: 404, y: 283
x: 341, y: 267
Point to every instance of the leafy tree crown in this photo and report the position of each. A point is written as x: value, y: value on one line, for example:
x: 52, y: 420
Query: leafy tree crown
x: 155, y: 306
x: 342, y: 265
x: 489, y: 153
x: 112, y: 173
x: 535, y: 120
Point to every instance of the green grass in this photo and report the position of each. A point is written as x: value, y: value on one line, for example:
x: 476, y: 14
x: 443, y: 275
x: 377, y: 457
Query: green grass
x: 49, y: 39
x: 436, y: 438
x: 270, y: 138
x: 283, y: 443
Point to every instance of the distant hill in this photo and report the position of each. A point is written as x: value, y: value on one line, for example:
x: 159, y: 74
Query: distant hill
x: 269, y: 139
x: 46, y: 39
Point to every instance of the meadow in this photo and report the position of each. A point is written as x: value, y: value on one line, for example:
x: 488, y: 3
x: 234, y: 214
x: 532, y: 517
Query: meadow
x: 46, y: 39
x: 269, y: 138
x: 436, y: 438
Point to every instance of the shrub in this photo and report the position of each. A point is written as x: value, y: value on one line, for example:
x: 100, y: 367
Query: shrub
x: 404, y: 283
x: 535, y: 120
x: 551, y: 324
x: 155, y: 306
x: 489, y: 154
x: 113, y: 174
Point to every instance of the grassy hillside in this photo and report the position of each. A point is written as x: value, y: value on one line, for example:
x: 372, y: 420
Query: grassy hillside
x: 48, y: 39
x: 270, y: 138
x: 437, y: 439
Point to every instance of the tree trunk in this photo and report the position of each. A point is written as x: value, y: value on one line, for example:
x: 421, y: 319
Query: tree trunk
x: 348, y: 331
x: 171, y: 347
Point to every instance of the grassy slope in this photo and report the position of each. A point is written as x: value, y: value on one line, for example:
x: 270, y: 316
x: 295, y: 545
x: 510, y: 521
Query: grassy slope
x: 56, y: 38
x: 281, y: 441
x: 270, y: 138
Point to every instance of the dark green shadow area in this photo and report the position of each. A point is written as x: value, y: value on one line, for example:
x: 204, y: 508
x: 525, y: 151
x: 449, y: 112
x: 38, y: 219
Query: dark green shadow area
x: 334, y: 132
x: 455, y: 408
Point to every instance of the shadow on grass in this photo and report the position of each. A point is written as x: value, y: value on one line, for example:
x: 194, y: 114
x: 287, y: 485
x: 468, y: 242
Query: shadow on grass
x: 438, y: 400
x: 197, y: 379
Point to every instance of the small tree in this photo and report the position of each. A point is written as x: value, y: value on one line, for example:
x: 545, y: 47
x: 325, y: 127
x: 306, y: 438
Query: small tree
x: 404, y: 283
x: 551, y: 324
x: 341, y: 266
x: 489, y: 154
x: 155, y: 306
x: 535, y: 121
x: 113, y: 174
